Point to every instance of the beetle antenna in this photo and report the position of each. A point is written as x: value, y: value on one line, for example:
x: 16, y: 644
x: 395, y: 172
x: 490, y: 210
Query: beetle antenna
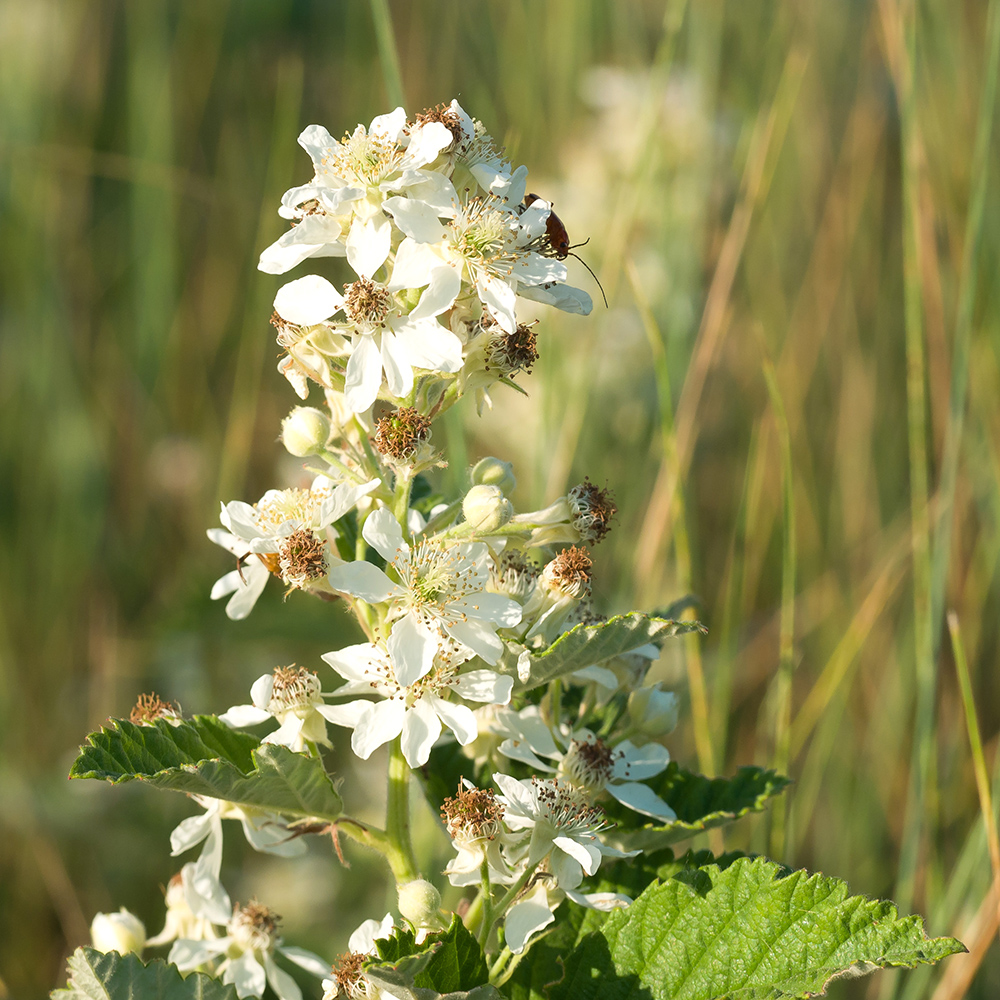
x: 594, y: 276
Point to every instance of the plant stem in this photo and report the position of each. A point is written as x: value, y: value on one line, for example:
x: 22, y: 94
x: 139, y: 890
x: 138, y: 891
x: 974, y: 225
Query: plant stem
x: 486, y: 893
x: 399, y: 851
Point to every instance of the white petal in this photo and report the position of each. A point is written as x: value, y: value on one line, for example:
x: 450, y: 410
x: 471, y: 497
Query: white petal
x: 241, y: 716
x: 314, y: 236
x: 205, y: 895
x: 354, y: 663
x: 383, y: 533
x: 343, y: 498
x: 499, y: 299
x: 381, y: 723
x: 412, y: 647
x: 414, y: 266
x: 599, y: 900
x: 288, y: 733
x: 426, y: 141
x: 440, y: 294
x: 260, y: 690
x: 491, y: 607
x: 516, y: 792
x: 396, y: 362
x: 247, y: 975
x: 362, y: 579
x: 307, y: 301
x: 191, y: 831
x: 565, y: 297
x: 281, y: 982
x: 480, y: 638
x: 518, y: 750
x: 225, y: 585
x: 642, y: 799
x: 368, y: 244
x: 588, y: 855
x: 362, y: 941
x: 363, y: 377
x: 255, y: 577
x: 307, y: 960
x: 270, y: 837
x: 639, y: 763
x: 317, y: 142
x: 525, y: 918
x: 187, y: 954
x: 346, y: 715
x: 421, y: 728
x: 486, y: 686
x: 599, y: 675
x: 417, y: 220
x: 390, y: 125
x: 242, y: 518
x: 457, y: 718
x: 429, y: 345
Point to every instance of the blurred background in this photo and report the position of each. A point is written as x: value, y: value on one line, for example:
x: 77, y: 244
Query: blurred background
x: 794, y: 210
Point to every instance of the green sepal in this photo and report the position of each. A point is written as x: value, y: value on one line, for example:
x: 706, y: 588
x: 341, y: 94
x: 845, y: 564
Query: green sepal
x: 204, y: 757
x: 97, y: 976
x: 748, y: 932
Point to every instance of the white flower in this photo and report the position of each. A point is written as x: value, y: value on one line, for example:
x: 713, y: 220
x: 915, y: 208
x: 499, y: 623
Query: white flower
x: 563, y: 827
x: 589, y: 763
x: 385, y: 333
x: 442, y: 589
x: 417, y: 710
x: 474, y: 819
x: 186, y: 916
x: 486, y: 242
x: 351, y: 181
x: 293, y: 698
x: 246, y: 583
x: 347, y: 977
x: 249, y: 945
x: 122, y: 932
x: 286, y: 529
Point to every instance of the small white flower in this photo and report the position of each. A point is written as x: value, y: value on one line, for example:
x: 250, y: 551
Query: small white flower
x: 563, y: 828
x: 248, y: 947
x: 186, y: 916
x: 442, y: 589
x: 292, y: 697
x: 348, y: 978
x: 474, y: 819
x: 122, y: 932
x: 589, y: 763
x: 417, y: 710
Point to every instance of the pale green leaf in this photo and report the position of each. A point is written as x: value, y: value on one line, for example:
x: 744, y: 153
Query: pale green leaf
x: 584, y: 645
x: 268, y: 776
x: 750, y: 932
x: 96, y: 976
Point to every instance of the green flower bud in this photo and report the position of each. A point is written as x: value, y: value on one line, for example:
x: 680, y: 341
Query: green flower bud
x: 653, y: 710
x: 305, y: 431
x: 486, y: 508
x: 122, y: 932
x: 420, y: 903
x: 493, y: 472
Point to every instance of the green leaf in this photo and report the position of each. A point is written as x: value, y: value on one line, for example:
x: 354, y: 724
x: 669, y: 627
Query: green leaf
x: 748, y: 932
x: 584, y: 645
x: 455, y: 961
x: 699, y: 802
x: 95, y: 976
x: 204, y: 757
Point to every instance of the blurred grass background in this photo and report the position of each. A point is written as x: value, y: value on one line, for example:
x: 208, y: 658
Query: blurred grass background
x: 794, y: 209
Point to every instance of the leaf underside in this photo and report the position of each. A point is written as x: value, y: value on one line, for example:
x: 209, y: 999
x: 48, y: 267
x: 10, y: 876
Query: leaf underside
x: 748, y: 932
x: 97, y: 976
x: 584, y: 645
x: 204, y: 757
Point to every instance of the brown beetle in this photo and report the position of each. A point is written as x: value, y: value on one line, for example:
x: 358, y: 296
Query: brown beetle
x: 556, y: 241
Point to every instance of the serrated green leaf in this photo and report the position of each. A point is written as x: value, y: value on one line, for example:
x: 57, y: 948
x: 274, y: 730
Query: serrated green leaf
x: 749, y: 932
x: 700, y: 804
x: 204, y: 757
x: 455, y: 960
x: 96, y: 976
x: 584, y: 645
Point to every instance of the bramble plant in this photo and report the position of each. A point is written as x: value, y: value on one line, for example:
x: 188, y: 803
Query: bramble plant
x: 525, y: 716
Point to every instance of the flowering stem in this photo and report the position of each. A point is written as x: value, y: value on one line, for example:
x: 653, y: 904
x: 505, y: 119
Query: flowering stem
x: 399, y: 851
x: 367, y: 445
x: 331, y: 459
x: 486, y: 893
x: 401, y: 502
x: 512, y: 893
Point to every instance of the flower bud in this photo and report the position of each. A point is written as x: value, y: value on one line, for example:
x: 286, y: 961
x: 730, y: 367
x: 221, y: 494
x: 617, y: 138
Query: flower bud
x: 305, y: 431
x: 486, y: 508
x: 653, y: 710
x: 122, y: 932
x: 493, y: 472
x: 420, y: 903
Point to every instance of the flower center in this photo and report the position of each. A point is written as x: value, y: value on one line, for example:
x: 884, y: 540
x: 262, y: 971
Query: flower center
x: 367, y: 302
x: 366, y: 159
x: 592, y: 511
x: 473, y: 814
x: 399, y: 433
x: 567, y: 809
x: 481, y: 232
x: 253, y: 927
x: 515, y: 577
x: 278, y: 506
x: 435, y: 577
x: 588, y: 763
x: 302, y: 558
x: 294, y: 688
